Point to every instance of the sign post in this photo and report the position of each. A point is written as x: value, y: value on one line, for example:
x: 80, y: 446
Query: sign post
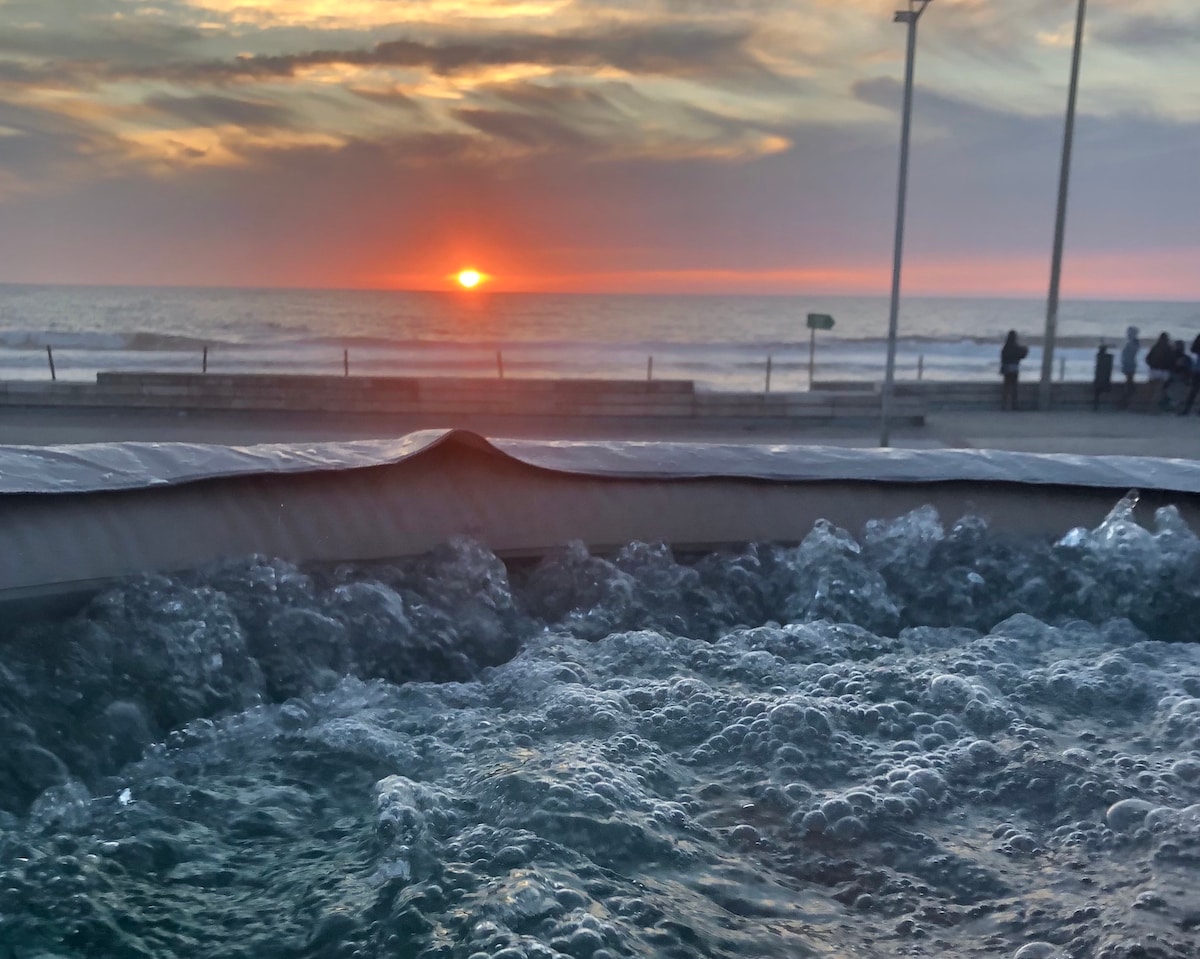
x: 816, y: 321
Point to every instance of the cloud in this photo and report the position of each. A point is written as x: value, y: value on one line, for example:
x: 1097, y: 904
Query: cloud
x: 524, y: 130
x: 653, y: 50
x: 335, y: 14
x: 380, y: 212
x: 936, y: 114
x: 987, y: 179
x: 605, y: 122
x: 349, y: 142
x: 129, y: 42
x: 443, y: 86
x: 211, y: 110
x: 1148, y: 32
x: 38, y: 147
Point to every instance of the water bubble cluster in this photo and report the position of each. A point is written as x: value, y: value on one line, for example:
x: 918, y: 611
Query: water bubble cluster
x: 779, y: 751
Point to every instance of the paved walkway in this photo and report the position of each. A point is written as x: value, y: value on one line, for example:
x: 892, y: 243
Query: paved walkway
x: 1101, y: 433
x: 1104, y: 432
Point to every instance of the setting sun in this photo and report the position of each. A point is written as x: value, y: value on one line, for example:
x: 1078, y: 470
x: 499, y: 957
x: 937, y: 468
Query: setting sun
x: 469, y: 279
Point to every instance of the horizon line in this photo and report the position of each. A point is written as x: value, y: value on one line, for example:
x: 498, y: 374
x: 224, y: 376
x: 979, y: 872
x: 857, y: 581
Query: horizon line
x: 484, y: 292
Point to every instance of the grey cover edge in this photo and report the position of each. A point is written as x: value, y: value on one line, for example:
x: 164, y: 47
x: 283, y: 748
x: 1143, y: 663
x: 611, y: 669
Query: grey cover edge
x: 103, y: 467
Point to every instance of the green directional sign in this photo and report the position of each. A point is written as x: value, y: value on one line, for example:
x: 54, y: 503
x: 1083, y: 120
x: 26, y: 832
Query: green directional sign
x: 816, y: 321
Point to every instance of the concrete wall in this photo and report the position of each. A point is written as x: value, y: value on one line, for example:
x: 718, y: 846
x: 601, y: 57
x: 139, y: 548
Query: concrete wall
x: 445, y: 396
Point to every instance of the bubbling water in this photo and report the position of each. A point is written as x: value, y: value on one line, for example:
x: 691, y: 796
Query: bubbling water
x: 917, y: 741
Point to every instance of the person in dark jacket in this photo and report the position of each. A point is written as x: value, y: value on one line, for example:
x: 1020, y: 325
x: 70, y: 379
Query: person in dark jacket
x: 1160, y: 358
x: 1011, y: 354
x: 1194, y: 379
x: 1181, y: 374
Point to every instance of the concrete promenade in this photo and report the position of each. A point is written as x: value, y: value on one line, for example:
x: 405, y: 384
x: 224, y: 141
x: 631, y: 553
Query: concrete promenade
x: 582, y: 398
x: 1106, y: 432
x: 245, y: 409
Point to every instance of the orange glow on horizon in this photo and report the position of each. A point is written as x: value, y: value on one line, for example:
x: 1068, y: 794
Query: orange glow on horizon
x: 1152, y: 274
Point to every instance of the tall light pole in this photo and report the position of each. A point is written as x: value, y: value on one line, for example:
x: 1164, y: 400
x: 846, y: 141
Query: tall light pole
x: 910, y: 17
x: 1060, y: 220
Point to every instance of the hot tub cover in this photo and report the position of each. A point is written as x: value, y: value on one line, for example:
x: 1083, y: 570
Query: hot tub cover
x: 103, y: 467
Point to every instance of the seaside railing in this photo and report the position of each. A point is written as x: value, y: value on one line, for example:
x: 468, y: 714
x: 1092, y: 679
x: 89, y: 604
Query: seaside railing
x: 375, y: 366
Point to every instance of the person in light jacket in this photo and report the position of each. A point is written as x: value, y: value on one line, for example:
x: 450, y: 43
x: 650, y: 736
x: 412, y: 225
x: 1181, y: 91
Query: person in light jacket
x: 1129, y: 357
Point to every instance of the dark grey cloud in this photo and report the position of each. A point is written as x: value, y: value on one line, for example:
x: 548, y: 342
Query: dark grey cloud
x: 688, y: 8
x: 402, y: 102
x: 127, y: 42
x: 524, y: 129
x: 562, y: 116
x: 74, y: 46
x: 31, y: 120
x: 973, y: 122
x: 17, y: 74
x: 37, y: 143
x: 601, y: 121
x: 357, y: 160
x: 219, y: 110
x: 1146, y: 32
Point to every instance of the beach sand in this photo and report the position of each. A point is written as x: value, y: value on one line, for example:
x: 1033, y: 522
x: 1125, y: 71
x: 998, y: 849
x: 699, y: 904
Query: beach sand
x: 1102, y: 433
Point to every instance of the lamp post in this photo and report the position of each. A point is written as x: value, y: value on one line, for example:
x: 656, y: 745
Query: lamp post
x: 1060, y: 219
x: 909, y: 17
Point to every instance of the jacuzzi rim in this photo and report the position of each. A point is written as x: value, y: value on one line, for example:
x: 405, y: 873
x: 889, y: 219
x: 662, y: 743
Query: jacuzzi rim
x: 64, y: 546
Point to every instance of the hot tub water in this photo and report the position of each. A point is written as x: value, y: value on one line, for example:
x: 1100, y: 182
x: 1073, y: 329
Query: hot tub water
x: 915, y: 741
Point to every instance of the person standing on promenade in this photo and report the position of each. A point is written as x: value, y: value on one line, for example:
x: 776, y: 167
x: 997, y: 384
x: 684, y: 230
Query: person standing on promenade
x: 1011, y: 354
x: 1194, y: 384
x: 1181, y: 374
x: 1159, y: 358
x: 1129, y: 355
x: 1102, y: 376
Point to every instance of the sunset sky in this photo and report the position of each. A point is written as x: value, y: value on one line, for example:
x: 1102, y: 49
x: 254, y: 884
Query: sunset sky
x: 595, y: 145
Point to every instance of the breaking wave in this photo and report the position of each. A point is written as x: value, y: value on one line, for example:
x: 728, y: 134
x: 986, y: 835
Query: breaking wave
x: 101, y: 341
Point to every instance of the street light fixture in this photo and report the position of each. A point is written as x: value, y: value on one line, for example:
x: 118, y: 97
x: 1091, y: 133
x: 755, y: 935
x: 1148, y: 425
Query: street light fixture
x: 909, y: 17
x: 1060, y: 219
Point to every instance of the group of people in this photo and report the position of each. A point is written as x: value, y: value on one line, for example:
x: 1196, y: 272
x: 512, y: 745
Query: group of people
x: 1173, y: 371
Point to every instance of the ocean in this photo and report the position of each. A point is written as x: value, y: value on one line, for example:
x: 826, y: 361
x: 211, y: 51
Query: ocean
x: 720, y: 342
